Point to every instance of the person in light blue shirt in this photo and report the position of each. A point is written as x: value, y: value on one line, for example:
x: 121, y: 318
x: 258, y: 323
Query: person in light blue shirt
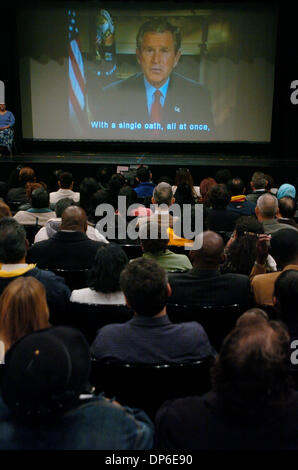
x: 7, y: 121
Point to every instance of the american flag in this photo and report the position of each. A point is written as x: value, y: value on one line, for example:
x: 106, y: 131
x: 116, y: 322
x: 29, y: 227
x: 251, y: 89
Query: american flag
x: 77, y: 80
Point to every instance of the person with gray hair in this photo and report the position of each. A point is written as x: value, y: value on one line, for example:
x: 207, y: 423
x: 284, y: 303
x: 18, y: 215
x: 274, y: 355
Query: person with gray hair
x: 162, y: 199
x: 266, y: 211
x: 258, y: 185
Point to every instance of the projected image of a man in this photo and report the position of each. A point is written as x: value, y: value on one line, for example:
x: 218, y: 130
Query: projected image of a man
x: 158, y: 93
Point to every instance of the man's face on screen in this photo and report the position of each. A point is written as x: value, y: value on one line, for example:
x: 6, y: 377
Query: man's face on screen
x: 157, y: 57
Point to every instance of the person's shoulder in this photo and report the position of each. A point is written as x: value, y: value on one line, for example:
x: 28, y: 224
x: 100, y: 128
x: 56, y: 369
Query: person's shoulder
x: 236, y: 278
x: 265, y: 278
x: 179, y: 79
x: 127, y: 84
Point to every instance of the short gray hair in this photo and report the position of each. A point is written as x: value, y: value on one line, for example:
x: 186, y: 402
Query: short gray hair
x: 267, y: 205
x: 163, y: 193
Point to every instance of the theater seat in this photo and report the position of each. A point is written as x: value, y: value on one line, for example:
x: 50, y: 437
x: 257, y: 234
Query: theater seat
x: 217, y: 321
x: 147, y: 386
x: 31, y: 231
x: 89, y: 318
x: 74, y: 278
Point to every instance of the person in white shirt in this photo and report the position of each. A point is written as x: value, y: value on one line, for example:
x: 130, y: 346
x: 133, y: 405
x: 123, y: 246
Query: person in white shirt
x: 104, y: 278
x: 65, y: 184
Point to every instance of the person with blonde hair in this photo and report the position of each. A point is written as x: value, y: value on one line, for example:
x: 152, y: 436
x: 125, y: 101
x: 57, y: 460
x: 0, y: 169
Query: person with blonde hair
x: 23, y: 309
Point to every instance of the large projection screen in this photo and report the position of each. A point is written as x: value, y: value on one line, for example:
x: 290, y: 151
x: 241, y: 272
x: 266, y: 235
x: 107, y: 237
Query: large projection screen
x: 197, y: 73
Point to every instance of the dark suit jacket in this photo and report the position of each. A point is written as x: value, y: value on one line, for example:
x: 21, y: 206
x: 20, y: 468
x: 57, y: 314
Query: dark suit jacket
x: 209, y: 287
x: 65, y: 250
x: 187, y: 102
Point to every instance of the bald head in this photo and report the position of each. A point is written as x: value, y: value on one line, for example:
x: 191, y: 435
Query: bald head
x: 211, y: 253
x: 74, y: 218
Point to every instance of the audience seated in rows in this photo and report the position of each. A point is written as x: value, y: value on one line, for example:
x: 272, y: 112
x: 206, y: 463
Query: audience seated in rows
x: 53, y: 225
x: 154, y: 241
x: 149, y: 337
x: 241, y: 249
x: 204, y: 284
x: 39, y: 212
x: 284, y: 249
x: 258, y: 186
x: 104, y: 278
x: 266, y: 211
x: 239, y: 203
x: 13, y: 249
x: 65, y: 183
x: 69, y: 248
x: 251, y: 405
x: 46, y: 402
x: 23, y: 309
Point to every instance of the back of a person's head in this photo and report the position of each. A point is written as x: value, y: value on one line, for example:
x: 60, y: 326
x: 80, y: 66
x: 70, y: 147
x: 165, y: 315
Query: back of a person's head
x: 284, y: 247
x: 40, y: 198
x: 248, y: 225
x: 65, y: 180
x: 130, y: 195
x: 286, y: 189
x: 184, y: 176
x: 62, y: 204
x: 250, y: 375
x: 236, y: 186
x: 4, y: 210
x: 223, y: 176
x: 144, y: 284
x: 184, y: 194
x: 23, y: 309
x: 259, y: 180
x: 104, y: 174
x: 73, y: 218
x: 104, y: 275
x: 30, y: 187
x: 219, y: 196
x: 286, y: 295
x: 116, y: 182
x: 26, y: 174
x: 267, y: 205
x: 205, y: 185
x: 163, y: 194
x: 270, y: 182
x: 12, y: 241
x: 241, y: 253
x: 88, y: 186
x: 287, y: 207
x: 153, y: 237
x: 143, y: 174
x: 45, y: 372
x: 252, y: 316
x: 211, y: 252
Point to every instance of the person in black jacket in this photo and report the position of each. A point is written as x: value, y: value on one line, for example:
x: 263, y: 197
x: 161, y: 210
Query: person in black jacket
x: 69, y: 248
